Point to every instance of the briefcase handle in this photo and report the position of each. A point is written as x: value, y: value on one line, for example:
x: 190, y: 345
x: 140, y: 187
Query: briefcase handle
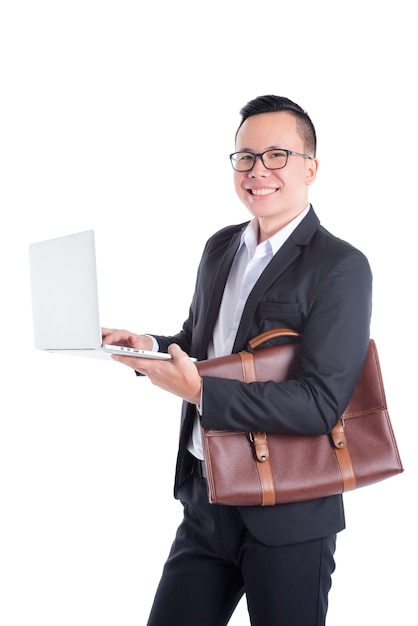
x: 271, y: 334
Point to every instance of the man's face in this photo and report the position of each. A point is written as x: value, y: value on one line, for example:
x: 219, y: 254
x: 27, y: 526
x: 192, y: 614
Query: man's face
x: 275, y: 197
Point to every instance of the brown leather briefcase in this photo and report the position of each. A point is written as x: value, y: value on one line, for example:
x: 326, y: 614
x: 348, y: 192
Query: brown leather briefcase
x: 258, y: 468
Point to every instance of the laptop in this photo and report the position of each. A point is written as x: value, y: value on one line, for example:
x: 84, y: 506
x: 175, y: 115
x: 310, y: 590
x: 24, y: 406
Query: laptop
x: 65, y: 302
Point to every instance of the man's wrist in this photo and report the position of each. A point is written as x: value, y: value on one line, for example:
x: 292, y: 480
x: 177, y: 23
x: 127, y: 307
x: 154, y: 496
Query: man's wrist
x: 155, y: 347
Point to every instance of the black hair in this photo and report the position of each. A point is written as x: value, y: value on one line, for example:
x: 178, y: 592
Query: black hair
x: 272, y: 104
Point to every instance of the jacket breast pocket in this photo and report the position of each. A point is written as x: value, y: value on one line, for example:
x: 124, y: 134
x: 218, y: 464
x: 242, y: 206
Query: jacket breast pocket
x: 279, y: 315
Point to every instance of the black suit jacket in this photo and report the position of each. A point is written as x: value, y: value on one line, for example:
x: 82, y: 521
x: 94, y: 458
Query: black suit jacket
x: 320, y: 286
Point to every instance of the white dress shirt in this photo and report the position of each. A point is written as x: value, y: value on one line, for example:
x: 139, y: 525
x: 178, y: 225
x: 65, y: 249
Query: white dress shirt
x: 249, y: 262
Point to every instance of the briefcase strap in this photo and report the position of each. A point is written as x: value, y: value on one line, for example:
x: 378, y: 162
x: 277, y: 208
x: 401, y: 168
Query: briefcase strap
x: 259, y: 439
x: 342, y: 453
x: 265, y: 474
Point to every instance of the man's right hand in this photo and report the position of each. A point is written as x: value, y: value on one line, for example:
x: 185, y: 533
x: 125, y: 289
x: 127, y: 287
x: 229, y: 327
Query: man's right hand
x: 117, y: 337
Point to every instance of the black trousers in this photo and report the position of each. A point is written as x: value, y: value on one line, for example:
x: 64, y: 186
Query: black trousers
x: 214, y: 560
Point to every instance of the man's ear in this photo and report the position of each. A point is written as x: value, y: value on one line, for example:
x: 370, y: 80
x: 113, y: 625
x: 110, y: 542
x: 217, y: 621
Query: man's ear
x: 311, y: 170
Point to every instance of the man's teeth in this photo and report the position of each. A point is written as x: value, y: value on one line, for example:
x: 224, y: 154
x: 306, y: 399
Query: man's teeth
x: 262, y: 192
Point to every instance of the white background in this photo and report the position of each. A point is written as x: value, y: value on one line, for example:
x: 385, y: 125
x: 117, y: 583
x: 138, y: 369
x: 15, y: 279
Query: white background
x: 91, y: 93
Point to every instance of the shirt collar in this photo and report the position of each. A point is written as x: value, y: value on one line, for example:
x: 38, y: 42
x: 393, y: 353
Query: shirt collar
x: 272, y: 244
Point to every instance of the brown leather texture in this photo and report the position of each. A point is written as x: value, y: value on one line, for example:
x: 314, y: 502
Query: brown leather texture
x: 360, y: 450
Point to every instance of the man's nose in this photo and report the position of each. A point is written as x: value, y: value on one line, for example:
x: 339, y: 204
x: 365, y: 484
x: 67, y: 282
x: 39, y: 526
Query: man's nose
x: 259, y: 169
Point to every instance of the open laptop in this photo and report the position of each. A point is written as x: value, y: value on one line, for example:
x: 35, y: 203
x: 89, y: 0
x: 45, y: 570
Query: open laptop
x: 65, y: 301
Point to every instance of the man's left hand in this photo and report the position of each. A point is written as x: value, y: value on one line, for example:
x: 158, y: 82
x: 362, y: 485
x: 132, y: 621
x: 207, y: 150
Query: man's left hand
x: 178, y: 375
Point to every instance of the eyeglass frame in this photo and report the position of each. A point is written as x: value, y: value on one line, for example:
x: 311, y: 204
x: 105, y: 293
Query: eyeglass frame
x: 261, y: 154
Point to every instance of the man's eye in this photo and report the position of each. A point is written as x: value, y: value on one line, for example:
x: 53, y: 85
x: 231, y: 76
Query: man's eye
x: 245, y: 157
x: 277, y: 154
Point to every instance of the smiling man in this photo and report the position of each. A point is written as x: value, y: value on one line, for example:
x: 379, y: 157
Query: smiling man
x: 280, y: 269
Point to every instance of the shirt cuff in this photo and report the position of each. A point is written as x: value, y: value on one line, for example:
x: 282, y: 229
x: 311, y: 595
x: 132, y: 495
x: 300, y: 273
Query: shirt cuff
x: 155, y: 346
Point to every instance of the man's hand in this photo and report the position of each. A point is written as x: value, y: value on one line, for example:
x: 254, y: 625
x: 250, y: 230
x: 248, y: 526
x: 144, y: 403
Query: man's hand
x: 125, y: 338
x: 179, y: 375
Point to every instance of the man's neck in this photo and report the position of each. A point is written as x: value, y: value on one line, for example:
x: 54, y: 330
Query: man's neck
x: 267, y: 227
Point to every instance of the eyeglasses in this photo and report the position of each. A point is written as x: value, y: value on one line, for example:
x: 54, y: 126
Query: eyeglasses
x: 271, y: 159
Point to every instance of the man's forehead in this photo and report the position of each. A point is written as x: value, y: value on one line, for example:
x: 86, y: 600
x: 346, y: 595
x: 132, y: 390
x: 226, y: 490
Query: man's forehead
x: 269, y: 125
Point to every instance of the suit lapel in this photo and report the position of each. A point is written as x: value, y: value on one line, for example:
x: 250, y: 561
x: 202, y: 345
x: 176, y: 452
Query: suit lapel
x: 217, y: 290
x: 286, y: 255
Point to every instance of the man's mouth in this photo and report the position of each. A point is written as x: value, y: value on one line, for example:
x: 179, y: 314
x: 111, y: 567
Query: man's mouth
x: 262, y: 192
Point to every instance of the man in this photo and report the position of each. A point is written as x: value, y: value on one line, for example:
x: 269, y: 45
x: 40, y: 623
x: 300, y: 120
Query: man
x: 282, y: 269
